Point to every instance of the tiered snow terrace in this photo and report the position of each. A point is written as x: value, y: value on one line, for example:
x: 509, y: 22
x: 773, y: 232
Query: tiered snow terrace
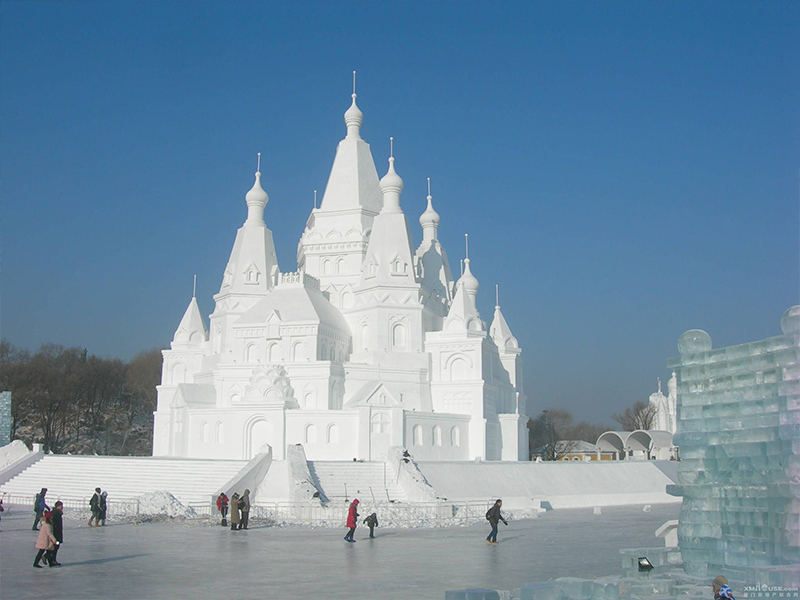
x: 72, y: 477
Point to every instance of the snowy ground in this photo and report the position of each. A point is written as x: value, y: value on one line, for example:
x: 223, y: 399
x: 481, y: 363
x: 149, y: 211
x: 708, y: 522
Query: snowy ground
x: 176, y: 561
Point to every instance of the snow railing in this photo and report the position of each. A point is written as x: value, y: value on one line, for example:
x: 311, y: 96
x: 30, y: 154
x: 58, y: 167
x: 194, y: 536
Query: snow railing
x: 117, y: 509
x: 390, y: 514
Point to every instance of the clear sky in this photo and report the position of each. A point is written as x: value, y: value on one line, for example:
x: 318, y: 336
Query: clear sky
x: 626, y: 170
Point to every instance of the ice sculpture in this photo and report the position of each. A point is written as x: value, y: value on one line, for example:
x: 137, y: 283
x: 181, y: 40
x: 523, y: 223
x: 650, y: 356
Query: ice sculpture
x: 739, y: 436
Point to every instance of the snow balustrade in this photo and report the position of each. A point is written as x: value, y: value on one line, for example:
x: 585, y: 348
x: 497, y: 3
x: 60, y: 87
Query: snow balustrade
x: 641, y: 444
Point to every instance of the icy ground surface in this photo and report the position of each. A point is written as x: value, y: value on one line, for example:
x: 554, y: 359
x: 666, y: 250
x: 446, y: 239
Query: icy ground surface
x: 176, y: 561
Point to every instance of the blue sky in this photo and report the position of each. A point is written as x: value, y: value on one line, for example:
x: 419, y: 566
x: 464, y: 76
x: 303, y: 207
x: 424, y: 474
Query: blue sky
x: 626, y: 170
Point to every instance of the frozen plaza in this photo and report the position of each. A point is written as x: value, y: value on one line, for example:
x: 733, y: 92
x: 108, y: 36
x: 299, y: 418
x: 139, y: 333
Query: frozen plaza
x: 170, y: 560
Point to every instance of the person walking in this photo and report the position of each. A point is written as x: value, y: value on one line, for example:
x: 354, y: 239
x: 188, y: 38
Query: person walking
x: 235, y: 511
x: 45, y: 542
x: 39, y: 506
x: 58, y: 531
x: 493, y: 516
x: 244, y: 506
x: 222, y: 507
x: 103, y: 507
x: 94, y: 505
x: 371, y: 522
x: 352, y: 521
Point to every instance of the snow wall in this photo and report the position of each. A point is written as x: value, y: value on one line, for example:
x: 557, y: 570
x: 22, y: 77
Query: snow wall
x: 555, y: 484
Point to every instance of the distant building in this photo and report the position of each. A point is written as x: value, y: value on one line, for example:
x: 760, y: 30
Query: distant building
x: 666, y: 407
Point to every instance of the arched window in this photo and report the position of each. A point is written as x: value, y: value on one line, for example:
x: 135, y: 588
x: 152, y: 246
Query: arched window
x: 274, y: 353
x: 298, y: 352
x: 380, y: 423
x: 178, y: 373
x: 340, y: 265
x: 311, y: 433
x: 308, y: 400
x: 455, y: 436
x: 326, y: 267
x: 333, y: 352
x: 399, y: 335
x: 219, y: 435
x: 332, y: 436
x: 458, y: 369
x: 437, y: 435
x: 251, y: 354
x: 204, y: 431
x: 365, y: 336
x: 417, y: 435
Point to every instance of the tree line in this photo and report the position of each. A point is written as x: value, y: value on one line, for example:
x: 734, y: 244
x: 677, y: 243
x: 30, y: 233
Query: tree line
x: 554, y: 434
x: 72, y: 401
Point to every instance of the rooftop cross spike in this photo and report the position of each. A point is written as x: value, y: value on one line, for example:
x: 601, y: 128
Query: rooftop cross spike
x: 429, y: 220
x: 256, y: 198
x: 194, y: 287
x: 354, y: 117
x: 497, y: 295
x: 391, y: 184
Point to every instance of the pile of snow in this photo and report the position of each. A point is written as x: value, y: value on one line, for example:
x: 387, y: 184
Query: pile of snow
x: 417, y: 487
x: 12, y: 452
x: 151, y: 506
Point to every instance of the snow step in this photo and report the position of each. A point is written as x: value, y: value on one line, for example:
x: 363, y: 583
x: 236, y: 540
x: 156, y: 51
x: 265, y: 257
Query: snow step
x: 345, y: 480
x: 74, y: 477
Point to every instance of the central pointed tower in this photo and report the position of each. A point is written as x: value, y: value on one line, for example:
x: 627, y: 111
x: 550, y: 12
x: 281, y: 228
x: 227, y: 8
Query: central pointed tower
x: 334, y: 243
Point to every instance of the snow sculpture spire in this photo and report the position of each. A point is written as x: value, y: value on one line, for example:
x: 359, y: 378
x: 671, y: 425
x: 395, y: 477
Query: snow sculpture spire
x: 391, y: 185
x: 256, y: 199
x: 429, y: 220
x: 353, y: 117
x: 500, y: 331
x: 192, y: 329
x: 468, y: 280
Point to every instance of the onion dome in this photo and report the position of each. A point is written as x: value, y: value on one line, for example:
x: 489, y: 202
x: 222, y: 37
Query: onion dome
x: 353, y: 118
x: 469, y: 281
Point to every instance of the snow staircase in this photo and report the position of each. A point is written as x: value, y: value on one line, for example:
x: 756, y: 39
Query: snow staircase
x: 124, y: 477
x: 344, y: 480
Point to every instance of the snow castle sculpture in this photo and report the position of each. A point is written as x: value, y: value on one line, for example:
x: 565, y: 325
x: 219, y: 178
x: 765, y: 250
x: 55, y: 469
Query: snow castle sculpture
x: 665, y: 417
x: 369, y: 344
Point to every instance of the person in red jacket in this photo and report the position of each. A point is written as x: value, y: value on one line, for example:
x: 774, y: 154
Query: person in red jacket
x: 352, y: 521
x: 222, y: 507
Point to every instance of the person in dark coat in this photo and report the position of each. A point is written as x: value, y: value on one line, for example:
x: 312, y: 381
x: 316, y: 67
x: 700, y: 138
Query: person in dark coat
x: 94, y: 504
x: 493, y: 516
x: 222, y: 507
x: 244, y: 506
x: 58, y: 531
x: 103, y: 507
x: 235, y: 511
x: 352, y: 521
x: 39, y: 506
x: 371, y: 522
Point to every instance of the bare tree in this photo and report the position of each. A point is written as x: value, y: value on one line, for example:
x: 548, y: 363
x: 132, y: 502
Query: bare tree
x: 142, y: 375
x: 639, y: 416
x: 547, y: 435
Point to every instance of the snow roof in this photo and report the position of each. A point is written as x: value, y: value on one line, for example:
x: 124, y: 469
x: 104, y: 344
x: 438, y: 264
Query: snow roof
x: 295, y: 304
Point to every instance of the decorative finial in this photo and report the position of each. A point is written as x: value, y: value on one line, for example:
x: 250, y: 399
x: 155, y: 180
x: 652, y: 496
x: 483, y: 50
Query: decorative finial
x: 391, y: 148
x: 659, y: 384
x: 466, y: 246
x: 194, y: 287
x: 258, y: 168
x: 354, y: 83
x: 497, y: 295
x: 429, y: 187
x: 315, y: 198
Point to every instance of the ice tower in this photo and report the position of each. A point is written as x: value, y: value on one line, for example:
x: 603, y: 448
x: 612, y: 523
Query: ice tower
x: 739, y: 436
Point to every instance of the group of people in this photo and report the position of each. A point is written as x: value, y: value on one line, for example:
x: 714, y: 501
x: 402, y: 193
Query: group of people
x: 51, y: 532
x: 98, y: 505
x: 352, y: 522
x: 239, y: 507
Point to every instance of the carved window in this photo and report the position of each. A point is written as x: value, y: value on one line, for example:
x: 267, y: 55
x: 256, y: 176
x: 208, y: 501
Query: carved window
x: 399, y: 335
x: 219, y: 435
x: 332, y: 436
x: 455, y: 436
x: 311, y: 434
x: 437, y: 435
x: 417, y: 434
x: 380, y: 423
